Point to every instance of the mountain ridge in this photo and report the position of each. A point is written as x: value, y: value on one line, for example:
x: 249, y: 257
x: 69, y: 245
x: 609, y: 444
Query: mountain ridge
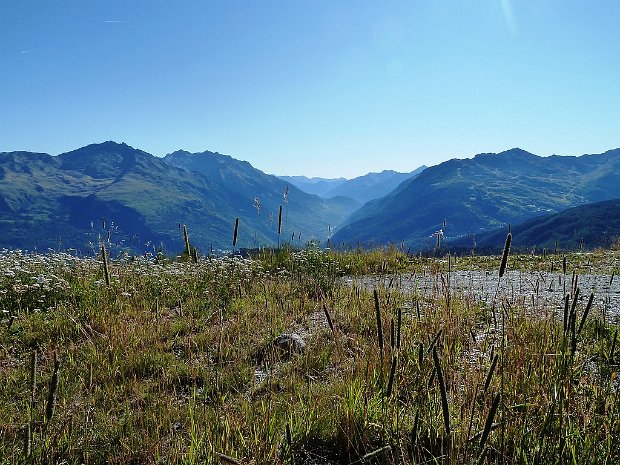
x: 46, y: 200
x: 363, y: 188
x: 483, y: 192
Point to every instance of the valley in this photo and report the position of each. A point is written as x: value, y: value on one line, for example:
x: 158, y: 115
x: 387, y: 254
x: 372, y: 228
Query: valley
x: 138, y: 203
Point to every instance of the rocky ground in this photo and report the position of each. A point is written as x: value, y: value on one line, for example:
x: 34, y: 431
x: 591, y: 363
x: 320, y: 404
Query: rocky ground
x: 534, y: 290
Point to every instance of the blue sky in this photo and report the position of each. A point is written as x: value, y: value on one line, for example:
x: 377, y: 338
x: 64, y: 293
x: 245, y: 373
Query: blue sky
x: 321, y: 88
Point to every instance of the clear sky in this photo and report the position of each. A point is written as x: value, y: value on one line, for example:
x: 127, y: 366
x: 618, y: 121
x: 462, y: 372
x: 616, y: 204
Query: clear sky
x: 316, y: 87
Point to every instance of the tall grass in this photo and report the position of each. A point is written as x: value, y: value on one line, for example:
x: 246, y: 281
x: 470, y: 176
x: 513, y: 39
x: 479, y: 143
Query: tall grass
x: 167, y: 364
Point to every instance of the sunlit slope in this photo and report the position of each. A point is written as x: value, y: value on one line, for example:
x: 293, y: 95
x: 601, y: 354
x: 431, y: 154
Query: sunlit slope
x: 74, y: 199
x: 487, y: 191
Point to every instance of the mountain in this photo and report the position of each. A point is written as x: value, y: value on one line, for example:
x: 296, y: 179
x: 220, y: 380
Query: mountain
x: 373, y: 185
x: 318, y: 186
x: 363, y: 188
x: 488, y: 191
x: 306, y: 213
x: 591, y: 225
x: 76, y: 199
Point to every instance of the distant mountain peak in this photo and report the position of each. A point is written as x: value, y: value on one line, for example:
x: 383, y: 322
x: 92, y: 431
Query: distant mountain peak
x: 362, y: 188
x: 109, y: 144
x: 179, y: 152
x: 207, y: 153
x: 105, y: 160
x: 187, y: 153
x: 516, y: 151
x: 120, y: 148
x: 112, y: 143
x: 512, y: 153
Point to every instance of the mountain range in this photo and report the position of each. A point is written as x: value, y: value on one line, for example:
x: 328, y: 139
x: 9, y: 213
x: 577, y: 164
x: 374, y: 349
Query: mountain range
x: 140, y: 201
x: 482, y: 193
x: 362, y: 188
x: 590, y: 225
x: 316, y: 185
x: 130, y: 199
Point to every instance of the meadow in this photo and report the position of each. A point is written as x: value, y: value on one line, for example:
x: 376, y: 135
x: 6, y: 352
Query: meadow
x: 150, y: 360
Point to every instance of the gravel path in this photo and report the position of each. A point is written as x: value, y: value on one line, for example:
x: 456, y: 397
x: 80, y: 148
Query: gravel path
x: 536, y: 290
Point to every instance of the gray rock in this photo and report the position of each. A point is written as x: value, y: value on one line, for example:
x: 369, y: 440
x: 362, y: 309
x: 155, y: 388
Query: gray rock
x: 281, y: 349
x: 289, y: 343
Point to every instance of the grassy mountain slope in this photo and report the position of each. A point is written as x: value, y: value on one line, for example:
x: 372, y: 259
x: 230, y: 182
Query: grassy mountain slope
x: 51, y: 202
x: 593, y: 225
x: 61, y: 200
x: 482, y: 193
x: 305, y: 213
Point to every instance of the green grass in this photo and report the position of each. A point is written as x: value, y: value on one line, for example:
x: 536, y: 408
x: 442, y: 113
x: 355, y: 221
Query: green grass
x: 159, y: 367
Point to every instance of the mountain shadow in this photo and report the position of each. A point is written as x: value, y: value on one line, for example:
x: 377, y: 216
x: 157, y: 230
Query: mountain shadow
x: 586, y: 226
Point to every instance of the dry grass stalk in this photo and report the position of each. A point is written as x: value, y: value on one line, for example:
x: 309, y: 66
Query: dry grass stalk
x: 280, y: 221
x: 487, y: 382
x: 33, y: 375
x: 329, y: 319
x: 374, y: 453
x: 585, y: 313
x: 435, y: 339
x: 398, y: 324
x: 613, y: 347
x: 444, y: 395
x: 234, y: 242
x: 502, y: 267
x: 28, y: 440
x: 53, y: 390
x: 106, y: 270
x: 489, y: 421
x: 566, y: 304
x: 90, y: 377
x: 390, y: 385
x: 186, y: 239
x: 379, y: 324
x: 289, y: 440
x: 572, y: 320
